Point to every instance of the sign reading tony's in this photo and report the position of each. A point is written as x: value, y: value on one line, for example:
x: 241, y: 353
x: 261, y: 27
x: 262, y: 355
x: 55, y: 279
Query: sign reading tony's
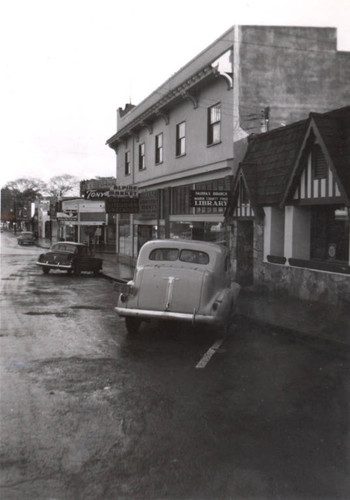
x: 213, y: 199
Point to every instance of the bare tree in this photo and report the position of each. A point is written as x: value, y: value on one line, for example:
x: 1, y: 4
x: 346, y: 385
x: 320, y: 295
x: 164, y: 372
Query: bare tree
x: 62, y: 184
x: 27, y: 187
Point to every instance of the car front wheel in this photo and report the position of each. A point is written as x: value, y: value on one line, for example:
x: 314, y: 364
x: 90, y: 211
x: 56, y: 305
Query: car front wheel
x: 132, y: 324
x: 46, y: 270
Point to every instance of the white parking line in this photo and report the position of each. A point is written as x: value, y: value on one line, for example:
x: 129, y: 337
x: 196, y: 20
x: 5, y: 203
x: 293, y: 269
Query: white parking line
x: 210, y: 352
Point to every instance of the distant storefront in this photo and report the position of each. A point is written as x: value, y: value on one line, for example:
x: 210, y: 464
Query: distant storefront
x: 82, y: 221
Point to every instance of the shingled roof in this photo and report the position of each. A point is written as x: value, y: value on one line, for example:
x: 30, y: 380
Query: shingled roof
x: 271, y: 162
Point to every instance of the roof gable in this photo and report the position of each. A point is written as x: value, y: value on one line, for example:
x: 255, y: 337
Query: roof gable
x: 242, y: 203
x: 331, y: 131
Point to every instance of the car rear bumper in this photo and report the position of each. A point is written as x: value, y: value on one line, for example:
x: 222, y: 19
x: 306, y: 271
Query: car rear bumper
x: 147, y: 314
x: 54, y: 266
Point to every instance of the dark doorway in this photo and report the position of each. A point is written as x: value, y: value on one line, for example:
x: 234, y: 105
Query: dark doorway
x: 144, y: 234
x: 245, y: 238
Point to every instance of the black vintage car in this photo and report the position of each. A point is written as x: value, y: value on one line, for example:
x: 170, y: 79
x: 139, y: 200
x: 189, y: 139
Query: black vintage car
x: 71, y: 257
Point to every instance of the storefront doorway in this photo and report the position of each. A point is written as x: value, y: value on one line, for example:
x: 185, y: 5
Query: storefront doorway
x: 245, y: 238
x: 144, y: 234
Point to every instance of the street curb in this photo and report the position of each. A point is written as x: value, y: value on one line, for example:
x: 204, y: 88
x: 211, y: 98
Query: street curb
x: 321, y: 343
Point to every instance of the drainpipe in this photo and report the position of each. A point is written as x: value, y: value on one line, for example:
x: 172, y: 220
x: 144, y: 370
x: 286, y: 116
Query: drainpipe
x: 236, y: 71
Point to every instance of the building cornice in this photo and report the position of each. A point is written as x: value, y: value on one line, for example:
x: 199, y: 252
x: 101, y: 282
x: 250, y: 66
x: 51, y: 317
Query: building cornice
x: 185, y: 91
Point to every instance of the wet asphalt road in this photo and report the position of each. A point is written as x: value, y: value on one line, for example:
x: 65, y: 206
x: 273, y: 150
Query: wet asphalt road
x: 88, y: 412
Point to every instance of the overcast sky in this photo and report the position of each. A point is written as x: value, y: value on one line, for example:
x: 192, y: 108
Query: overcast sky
x: 67, y: 65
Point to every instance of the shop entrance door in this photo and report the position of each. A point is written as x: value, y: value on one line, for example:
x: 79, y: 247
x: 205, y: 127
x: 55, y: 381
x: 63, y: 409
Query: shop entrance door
x: 245, y: 237
x: 144, y: 234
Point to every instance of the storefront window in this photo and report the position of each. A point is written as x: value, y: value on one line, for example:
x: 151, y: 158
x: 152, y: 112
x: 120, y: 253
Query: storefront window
x: 329, y: 234
x: 204, y: 231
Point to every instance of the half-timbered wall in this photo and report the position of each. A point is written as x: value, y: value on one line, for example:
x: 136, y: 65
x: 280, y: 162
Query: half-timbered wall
x: 317, y: 185
x: 243, y: 207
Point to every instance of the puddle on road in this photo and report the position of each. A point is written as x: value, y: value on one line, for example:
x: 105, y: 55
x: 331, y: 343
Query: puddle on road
x: 43, y: 313
x: 93, y: 308
x: 77, y: 375
x: 45, y: 291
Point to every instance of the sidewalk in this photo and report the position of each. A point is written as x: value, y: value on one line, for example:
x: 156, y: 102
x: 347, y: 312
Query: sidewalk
x: 301, y: 318
x: 314, y: 321
x: 114, y: 269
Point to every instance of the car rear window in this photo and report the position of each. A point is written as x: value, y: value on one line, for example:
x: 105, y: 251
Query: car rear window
x: 65, y: 248
x: 164, y: 254
x: 194, y: 256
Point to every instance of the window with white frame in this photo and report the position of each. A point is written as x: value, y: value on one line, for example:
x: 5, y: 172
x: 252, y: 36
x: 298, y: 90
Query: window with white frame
x: 329, y: 233
x: 142, y: 160
x: 181, y: 139
x: 127, y: 163
x: 159, y: 148
x: 214, y: 124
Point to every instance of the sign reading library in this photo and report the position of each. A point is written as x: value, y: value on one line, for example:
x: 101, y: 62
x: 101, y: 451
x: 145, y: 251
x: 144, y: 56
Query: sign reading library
x: 212, y: 199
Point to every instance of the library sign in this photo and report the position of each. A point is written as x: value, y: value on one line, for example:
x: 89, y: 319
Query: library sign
x: 211, y: 199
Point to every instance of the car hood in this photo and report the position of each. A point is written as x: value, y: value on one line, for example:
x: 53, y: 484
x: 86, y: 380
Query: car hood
x: 168, y: 289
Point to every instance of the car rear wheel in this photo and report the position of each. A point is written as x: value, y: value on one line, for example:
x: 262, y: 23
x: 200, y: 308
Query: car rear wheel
x: 132, y: 324
x: 46, y: 270
x: 77, y: 270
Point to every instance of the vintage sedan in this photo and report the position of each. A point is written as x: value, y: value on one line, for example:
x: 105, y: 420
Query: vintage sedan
x: 183, y: 280
x: 71, y: 257
x: 26, y: 238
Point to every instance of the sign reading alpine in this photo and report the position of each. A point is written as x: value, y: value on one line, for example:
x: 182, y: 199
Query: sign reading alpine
x: 122, y: 200
x: 213, y: 199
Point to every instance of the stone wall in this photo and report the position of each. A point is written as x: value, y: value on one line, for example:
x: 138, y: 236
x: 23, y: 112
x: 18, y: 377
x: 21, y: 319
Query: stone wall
x: 306, y: 284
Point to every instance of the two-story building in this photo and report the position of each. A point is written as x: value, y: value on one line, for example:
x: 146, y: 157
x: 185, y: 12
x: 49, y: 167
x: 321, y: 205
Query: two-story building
x: 181, y: 146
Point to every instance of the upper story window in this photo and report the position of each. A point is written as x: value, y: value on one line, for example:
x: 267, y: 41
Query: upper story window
x: 127, y: 163
x: 142, y: 160
x: 319, y: 164
x: 181, y: 139
x: 159, y: 148
x: 214, y: 124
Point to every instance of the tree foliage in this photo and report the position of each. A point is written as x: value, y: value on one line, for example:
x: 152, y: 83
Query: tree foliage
x: 26, y: 188
x: 29, y: 188
x: 62, y: 184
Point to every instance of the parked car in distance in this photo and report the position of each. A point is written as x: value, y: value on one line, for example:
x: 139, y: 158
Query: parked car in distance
x: 183, y: 280
x: 26, y: 238
x: 71, y: 257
